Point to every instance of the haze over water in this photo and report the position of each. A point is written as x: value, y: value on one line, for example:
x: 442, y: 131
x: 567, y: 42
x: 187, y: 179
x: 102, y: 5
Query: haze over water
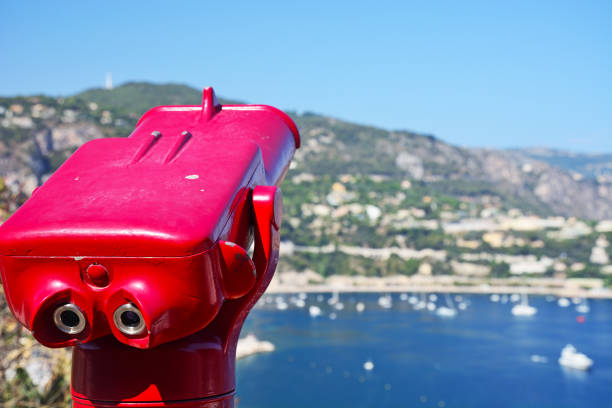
x: 480, y: 358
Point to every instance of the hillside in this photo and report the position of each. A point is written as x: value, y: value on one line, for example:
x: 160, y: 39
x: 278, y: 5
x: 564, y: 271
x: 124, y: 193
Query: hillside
x: 335, y: 147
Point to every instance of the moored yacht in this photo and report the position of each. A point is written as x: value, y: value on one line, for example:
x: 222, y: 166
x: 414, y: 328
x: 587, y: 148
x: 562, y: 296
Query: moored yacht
x: 523, y: 308
x: 571, y: 358
x: 448, y: 310
x: 563, y: 302
x: 385, y: 301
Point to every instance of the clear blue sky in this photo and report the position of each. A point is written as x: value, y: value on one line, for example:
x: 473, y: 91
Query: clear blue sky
x: 474, y: 73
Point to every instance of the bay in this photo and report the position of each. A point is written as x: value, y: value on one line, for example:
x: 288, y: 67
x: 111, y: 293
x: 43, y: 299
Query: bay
x: 482, y: 357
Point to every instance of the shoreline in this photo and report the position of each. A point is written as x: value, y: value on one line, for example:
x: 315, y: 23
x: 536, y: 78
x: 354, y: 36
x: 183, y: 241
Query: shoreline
x: 292, y: 282
x: 286, y: 289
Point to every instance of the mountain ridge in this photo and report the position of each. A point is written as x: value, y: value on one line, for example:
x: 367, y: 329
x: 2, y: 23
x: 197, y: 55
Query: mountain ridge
x: 594, y: 166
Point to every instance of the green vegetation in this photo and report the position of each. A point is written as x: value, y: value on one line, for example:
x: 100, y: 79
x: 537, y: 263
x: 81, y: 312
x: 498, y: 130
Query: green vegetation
x: 341, y: 263
x: 500, y: 270
x: 138, y: 97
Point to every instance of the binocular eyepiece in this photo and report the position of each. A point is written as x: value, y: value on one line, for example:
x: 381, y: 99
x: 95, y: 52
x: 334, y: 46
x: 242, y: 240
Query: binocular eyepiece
x: 69, y: 319
x: 128, y: 319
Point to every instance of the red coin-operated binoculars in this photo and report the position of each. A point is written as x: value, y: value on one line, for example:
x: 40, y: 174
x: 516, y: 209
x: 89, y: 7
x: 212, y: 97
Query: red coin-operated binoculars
x: 134, y: 252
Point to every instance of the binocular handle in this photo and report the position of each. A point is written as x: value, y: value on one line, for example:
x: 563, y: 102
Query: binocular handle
x: 267, y: 214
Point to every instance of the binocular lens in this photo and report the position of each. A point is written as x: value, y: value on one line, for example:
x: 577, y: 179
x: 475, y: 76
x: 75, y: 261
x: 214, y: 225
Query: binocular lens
x: 69, y: 319
x: 128, y: 319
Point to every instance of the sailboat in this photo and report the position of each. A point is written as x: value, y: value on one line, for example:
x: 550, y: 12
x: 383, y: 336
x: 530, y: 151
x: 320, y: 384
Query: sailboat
x: 422, y: 303
x: 314, y: 311
x: 583, y: 307
x: 385, y: 301
x: 563, y: 302
x: 448, y: 310
x: 523, y: 308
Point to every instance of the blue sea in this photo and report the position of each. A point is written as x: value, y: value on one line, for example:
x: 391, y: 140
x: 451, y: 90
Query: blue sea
x: 482, y: 357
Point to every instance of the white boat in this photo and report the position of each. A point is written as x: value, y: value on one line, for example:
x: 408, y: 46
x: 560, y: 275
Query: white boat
x: 523, y: 308
x: 448, y: 310
x: 535, y: 358
x: 335, y: 297
x: 444, y: 311
x: 571, y: 358
x: 404, y: 297
x: 563, y: 302
x: 583, y: 307
x: 299, y: 302
x: 314, y: 311
x: 413, y: 300
x: 421, y: 303
x: 339, y: 306
x: 385, y: 301
x: 504, y: 299
x: 515, y: 297
x: 462, y: 306
x: 360, y: 307
x: 433, y: 297
x: 431, y: 306
x: 494, y: 298
x: 281, y: 304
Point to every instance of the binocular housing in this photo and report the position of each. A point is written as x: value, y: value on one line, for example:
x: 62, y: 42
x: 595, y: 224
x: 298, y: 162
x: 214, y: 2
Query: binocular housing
x: 145, y: 239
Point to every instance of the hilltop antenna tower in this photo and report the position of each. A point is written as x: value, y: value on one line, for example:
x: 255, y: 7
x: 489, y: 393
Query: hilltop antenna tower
x: 109, y: 81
